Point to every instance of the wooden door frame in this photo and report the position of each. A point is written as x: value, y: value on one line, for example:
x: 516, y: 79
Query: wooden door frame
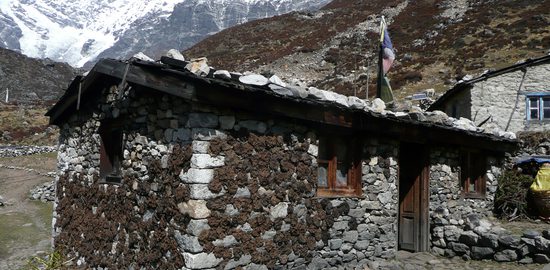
x: 422, y: 241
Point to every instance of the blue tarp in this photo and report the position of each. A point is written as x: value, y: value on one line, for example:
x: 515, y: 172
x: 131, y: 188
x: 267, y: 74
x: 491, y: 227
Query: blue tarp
x: 529, y: 159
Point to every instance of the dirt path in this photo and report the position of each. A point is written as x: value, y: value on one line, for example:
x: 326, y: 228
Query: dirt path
x: 25, y: 225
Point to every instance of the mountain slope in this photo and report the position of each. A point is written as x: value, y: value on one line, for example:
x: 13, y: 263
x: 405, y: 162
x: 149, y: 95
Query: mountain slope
x: 77, y: 32
x: 32, y: 81
x: 336, y: 48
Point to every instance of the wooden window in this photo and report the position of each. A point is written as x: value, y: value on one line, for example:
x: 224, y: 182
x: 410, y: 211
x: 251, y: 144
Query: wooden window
x: 473, y: 174
x: 339, y: 167
x: 110, y: 154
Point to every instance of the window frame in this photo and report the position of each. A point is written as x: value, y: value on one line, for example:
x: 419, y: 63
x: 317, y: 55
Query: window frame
x: 353, y: 161
x: 473, y: 166
x: 110, y: 153
x: 539, y: 98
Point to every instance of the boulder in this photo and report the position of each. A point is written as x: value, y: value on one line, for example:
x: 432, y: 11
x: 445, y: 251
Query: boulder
x: 479, y: 253
x: 199, y: 66
x: 222, y: 74
x: 175, y: 54
x: 507, y: 255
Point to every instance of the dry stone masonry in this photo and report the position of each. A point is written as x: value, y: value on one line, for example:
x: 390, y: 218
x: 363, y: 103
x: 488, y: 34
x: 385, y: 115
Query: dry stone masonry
x: 207, y: 187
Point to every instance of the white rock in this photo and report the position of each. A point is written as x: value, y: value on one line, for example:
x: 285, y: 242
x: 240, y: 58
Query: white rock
x: 222, y: 74
x: 254, y: 79
x: 199, y: 66
x: 173, y: 53
x: 197, y: 176
x: 143, y: 57
x: 279, y: 211
x: 195, y: 209
x: 205, y: 161
x: 276, y: 80
x: 356, y: 103
x: 201, y: 260
x: 378, y: 105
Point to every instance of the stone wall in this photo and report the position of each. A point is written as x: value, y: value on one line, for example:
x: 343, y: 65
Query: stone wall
x: 496, y: 97
x: 208, y: 187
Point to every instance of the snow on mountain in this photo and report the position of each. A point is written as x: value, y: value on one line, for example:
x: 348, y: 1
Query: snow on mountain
x: 79, y: 31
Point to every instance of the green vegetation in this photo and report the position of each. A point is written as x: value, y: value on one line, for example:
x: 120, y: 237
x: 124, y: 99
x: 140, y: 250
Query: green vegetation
x: 511, y: 199
x: 52, y: 261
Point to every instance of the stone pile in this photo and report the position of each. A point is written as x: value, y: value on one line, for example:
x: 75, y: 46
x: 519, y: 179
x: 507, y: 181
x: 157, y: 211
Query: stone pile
x: 16, y: 151
x: 300, y: 91
x: 480, y: 239
x: 44, y: 192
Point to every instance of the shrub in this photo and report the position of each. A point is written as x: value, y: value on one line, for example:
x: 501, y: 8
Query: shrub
x: 52, y: 261
x: 512, y: 196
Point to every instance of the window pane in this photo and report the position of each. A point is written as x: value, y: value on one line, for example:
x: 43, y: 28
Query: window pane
x: 342, y: 175
x: 534, y: 114
x: 472, y: 187
x: 546, y: 114
x: 546, y: 102
x: 322, y: 178
x: 533, y: 103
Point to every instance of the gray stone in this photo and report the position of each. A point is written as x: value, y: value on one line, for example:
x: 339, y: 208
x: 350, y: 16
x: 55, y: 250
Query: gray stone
x: 335, y: 244
x: 385, y: 197
x: 195, y: 209
x: 479, y: 253
x: 227, y: 122
x: 197, y: 226
x: 546, y: 234
x: 362, y: 244
x: 205, y: 161
x: 188, y: 243
x: 541, y: 258
x: 197, y: 176
x: 350, y: 236
x: 281, y: 90
x: 242, y: 193
x: 372, y: 205
x: 509, y: 241
x: 227, y: 241
x: 276, y: 80
x: 200, y: 192
x: 542, y: 244
x: 507, y: 255
x: 459, y: 247
x: 201, y: 260
x: 252, y: 125
x: 182, y: 134
x: 318, y: 263
x: 243, y: 260
x: 488, y: 240
x: 202, y: 120
x: 469, y: 238
x: 531, y: 234
x: 279, y: 211
x: 340, y: 225
x: 231, y: 211
x: 268, y: 235
x: 526, y: 260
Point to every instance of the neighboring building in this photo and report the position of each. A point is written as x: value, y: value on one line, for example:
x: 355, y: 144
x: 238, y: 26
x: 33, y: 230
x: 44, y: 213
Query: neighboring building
x: 516, y: 98
x: 161, y: 168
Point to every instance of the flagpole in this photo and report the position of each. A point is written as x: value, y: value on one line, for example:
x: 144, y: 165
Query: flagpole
x: 380, y: 52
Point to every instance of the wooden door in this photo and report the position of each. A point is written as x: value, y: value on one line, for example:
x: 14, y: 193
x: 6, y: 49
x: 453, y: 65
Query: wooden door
x: 413, y: 198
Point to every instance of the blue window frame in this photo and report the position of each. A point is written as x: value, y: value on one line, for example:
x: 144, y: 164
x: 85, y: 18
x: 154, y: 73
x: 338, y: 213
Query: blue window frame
x: 538, y: 107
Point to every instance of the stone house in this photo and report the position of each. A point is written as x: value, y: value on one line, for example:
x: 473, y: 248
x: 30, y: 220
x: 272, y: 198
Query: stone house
x: 514, y: 98
x: 162, y: 168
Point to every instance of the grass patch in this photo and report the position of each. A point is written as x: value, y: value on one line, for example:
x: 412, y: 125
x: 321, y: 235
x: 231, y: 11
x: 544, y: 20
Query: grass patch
x: 44, y: 162
x: 17, y: 229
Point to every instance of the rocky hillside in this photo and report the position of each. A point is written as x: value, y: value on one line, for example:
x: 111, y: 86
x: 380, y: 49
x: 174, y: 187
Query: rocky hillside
x: 437, y: 41
x: 32, y: 81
